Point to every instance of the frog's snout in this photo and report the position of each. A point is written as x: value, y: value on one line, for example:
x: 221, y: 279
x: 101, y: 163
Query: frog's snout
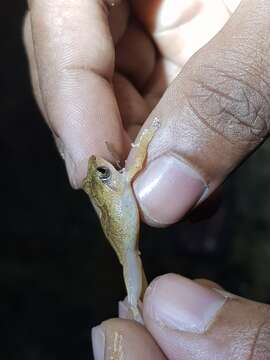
x: 92, y: 161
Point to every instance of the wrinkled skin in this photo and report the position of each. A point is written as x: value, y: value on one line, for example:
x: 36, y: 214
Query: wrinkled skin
x: 97, y: 77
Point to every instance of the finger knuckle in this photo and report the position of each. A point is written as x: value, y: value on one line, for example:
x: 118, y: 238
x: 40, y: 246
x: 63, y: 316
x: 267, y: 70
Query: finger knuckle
x: 232, y: 99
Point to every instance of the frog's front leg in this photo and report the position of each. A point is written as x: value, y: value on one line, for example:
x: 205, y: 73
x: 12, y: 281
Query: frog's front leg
x: 140, y: 149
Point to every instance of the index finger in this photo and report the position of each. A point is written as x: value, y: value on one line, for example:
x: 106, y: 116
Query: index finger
x: 71, y: 53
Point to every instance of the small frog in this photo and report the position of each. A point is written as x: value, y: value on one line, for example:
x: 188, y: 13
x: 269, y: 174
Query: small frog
x: 111, y: 194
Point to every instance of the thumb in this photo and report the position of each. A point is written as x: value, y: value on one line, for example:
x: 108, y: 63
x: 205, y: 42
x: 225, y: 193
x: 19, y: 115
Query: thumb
x: 190, y: 321
x: 214, y: 114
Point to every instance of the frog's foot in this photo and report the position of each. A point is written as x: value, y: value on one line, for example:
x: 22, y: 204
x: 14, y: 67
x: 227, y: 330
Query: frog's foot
x: 134, y: 311
x: 147, y: 133
x: 127, y: 311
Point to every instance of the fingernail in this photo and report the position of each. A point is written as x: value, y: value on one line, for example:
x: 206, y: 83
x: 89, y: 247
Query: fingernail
x: 98, y: 343
x: 167, y: 189
x: 181, y: 304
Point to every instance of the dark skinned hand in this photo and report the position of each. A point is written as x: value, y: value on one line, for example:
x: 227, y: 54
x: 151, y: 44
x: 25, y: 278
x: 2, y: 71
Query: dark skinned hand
x: 101, y: 71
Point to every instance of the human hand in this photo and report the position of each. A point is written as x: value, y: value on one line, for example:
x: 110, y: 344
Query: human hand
x: 188, y: 320
x: 95, y: 71
x: 213, y: 116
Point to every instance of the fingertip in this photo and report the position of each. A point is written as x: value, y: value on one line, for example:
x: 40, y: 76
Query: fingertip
x: 181, y: 304
x: 77, y: 146
x: 124, y: 339
x: 191, y: 321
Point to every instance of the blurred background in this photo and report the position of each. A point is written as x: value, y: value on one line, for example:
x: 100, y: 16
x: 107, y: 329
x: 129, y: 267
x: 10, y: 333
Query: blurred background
x: 59, y: 277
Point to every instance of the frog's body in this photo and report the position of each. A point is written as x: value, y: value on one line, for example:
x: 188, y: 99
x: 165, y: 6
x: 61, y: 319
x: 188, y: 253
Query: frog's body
x: 112, y: 196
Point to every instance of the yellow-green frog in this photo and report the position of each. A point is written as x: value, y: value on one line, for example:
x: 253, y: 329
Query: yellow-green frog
x: 111, y: 194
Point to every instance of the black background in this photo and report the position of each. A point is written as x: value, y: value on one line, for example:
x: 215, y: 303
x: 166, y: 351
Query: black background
x: 59, y: 277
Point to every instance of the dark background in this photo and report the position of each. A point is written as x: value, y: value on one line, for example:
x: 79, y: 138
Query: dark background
x: 59, y: 277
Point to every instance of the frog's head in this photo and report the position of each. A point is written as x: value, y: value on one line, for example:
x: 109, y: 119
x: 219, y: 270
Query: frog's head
x: 102, y: 179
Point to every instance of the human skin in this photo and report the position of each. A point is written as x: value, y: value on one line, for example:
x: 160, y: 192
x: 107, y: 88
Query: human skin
x: 97, y: 78
x: 188, y: 320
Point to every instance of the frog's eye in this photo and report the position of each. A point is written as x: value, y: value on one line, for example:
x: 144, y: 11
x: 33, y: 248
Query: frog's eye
x: 104, y: 173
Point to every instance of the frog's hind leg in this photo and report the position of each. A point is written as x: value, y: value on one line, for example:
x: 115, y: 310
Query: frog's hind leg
x: 133, y: 276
